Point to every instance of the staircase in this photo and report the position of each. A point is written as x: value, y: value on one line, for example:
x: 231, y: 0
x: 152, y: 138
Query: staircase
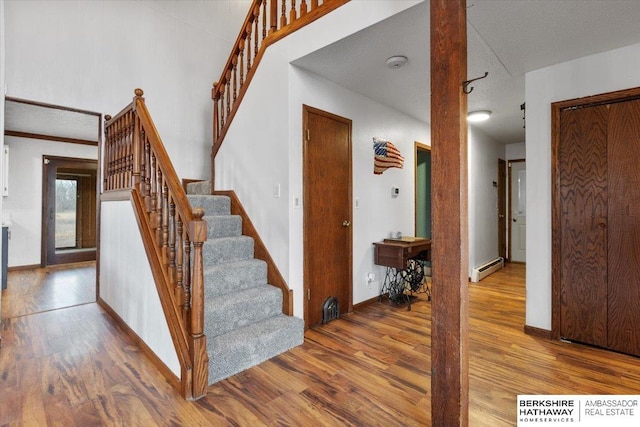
x: 243, y: 319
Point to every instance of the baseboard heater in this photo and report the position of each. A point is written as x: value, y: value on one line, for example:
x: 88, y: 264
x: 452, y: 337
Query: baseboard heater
x: 484, y: 270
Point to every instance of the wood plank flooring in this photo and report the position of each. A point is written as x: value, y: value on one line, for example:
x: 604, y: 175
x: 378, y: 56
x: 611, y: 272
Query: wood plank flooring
x: 49, y: 288
x: 74, y: 367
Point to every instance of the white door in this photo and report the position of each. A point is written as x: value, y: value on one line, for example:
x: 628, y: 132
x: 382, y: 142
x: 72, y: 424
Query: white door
x: 518, y: 212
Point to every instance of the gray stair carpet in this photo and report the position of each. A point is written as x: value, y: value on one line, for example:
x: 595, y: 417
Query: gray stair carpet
x: 243, y: 323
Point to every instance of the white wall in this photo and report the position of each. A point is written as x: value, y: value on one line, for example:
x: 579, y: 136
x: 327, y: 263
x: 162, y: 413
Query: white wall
x: 2, y: 86
x: 92, y: 54
x: 126, y: 282
x: 24, y: 202
x: 515, y: 151
x: 605, y: 72
x: 260, y: 146
x: 483, y: 154
x: 378, y: 213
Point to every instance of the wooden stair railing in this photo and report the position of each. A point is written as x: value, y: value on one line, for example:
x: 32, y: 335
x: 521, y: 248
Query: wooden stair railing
x: 267, y: 22
x: 135, y: 159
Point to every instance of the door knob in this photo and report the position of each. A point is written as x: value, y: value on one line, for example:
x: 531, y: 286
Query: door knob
x: 515, y: 219
x: 346, y: 223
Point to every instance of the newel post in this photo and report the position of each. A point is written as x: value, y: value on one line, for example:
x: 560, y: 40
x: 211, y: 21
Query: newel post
x: 137, y: 143
x: 198, y: 347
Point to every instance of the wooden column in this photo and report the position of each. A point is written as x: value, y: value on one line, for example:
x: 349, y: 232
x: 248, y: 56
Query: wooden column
x: 449, y: 315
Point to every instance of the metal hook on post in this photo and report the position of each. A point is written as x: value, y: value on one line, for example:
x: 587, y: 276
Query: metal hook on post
x: 468, y: 82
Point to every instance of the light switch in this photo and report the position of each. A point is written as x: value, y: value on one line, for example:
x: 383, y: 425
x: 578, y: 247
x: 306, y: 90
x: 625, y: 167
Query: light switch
x: 276, y: 190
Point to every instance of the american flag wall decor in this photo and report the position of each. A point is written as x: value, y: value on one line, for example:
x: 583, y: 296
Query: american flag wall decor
x: 386, y: 156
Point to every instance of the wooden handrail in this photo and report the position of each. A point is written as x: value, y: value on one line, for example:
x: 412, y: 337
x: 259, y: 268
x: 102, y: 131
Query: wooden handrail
x: 262, y: 27
x: 173, y: 234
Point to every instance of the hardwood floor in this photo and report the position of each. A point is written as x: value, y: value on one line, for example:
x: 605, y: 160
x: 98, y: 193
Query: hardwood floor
x: 74, y: 367
x: 49, y: 288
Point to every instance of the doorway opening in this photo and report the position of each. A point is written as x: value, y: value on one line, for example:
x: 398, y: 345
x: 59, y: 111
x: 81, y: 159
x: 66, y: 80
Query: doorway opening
x: 423, y: 195
x: 69, y: 210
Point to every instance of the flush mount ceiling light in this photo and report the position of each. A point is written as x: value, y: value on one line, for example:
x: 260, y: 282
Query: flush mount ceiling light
x: 478, y: 116
x: 397, y: 61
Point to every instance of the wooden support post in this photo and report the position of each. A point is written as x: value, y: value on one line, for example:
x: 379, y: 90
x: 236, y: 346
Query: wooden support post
x: 198, y: 345
x: 449, y: 313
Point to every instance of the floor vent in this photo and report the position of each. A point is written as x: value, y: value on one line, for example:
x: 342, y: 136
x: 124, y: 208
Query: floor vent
x: 484, y: 270
x: 330, y: 310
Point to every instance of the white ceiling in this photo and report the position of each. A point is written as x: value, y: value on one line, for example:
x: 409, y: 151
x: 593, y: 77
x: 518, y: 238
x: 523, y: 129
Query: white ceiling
x: 507, y: 38
x: 51, y: 121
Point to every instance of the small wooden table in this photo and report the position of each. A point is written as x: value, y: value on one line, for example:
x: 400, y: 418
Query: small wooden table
x: 404, y: 259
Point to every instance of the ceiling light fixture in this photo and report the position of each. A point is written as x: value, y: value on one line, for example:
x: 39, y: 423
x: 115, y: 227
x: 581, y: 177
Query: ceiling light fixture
x: 397, y: 61
x: 478, y: 116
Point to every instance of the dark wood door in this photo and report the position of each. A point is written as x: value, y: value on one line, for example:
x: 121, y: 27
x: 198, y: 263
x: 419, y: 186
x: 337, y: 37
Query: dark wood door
x: 583, y: 204
x: 502, y: 208
x: 624, y: 227
x: 327, y: 212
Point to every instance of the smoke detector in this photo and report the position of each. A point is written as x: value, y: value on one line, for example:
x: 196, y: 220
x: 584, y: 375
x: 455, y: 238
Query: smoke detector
x: 397, y: 61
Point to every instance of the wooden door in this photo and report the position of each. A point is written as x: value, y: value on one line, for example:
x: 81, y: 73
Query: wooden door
x: 624, y: 227
x: 582, y: 158
x: 327, y: 212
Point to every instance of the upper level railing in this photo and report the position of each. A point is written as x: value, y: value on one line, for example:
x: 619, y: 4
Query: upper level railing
x: 267, y: 22
x: 135, y: 159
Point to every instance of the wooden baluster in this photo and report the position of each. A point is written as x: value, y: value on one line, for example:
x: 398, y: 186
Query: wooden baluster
x: 171, y: 270
x: 137, y: 143
x: 107, y: 153
x: 179, y: 261
x: 198, y: 350
x: 241, y: 61
x: 187, y: 277
x: 264, y: 19
x: 223, y: 114
x: 235, y: 78
x: 303, y: 8
x: 116, y: 153
x: 273, y: 15
x: 249, y: 54
x: 216, y: 118
x: 283, y: 17
x: 164, y: 239
x: 256, y: 32
x: 128, y: 157
x: 314, y: 4
x: 155, y: 197
x: 147, y: 174
x: 292, y: 12
x: 228, y: 90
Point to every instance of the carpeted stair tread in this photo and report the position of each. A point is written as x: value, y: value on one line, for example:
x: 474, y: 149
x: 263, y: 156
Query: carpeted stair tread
x: 243, y: 348
x: 234, y: 310
x: 243, y: 321
x: 212, y: 205
x: 199, y: 187
x: 227, y: 249
x: 223, y: 225
x: 229, y: 277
